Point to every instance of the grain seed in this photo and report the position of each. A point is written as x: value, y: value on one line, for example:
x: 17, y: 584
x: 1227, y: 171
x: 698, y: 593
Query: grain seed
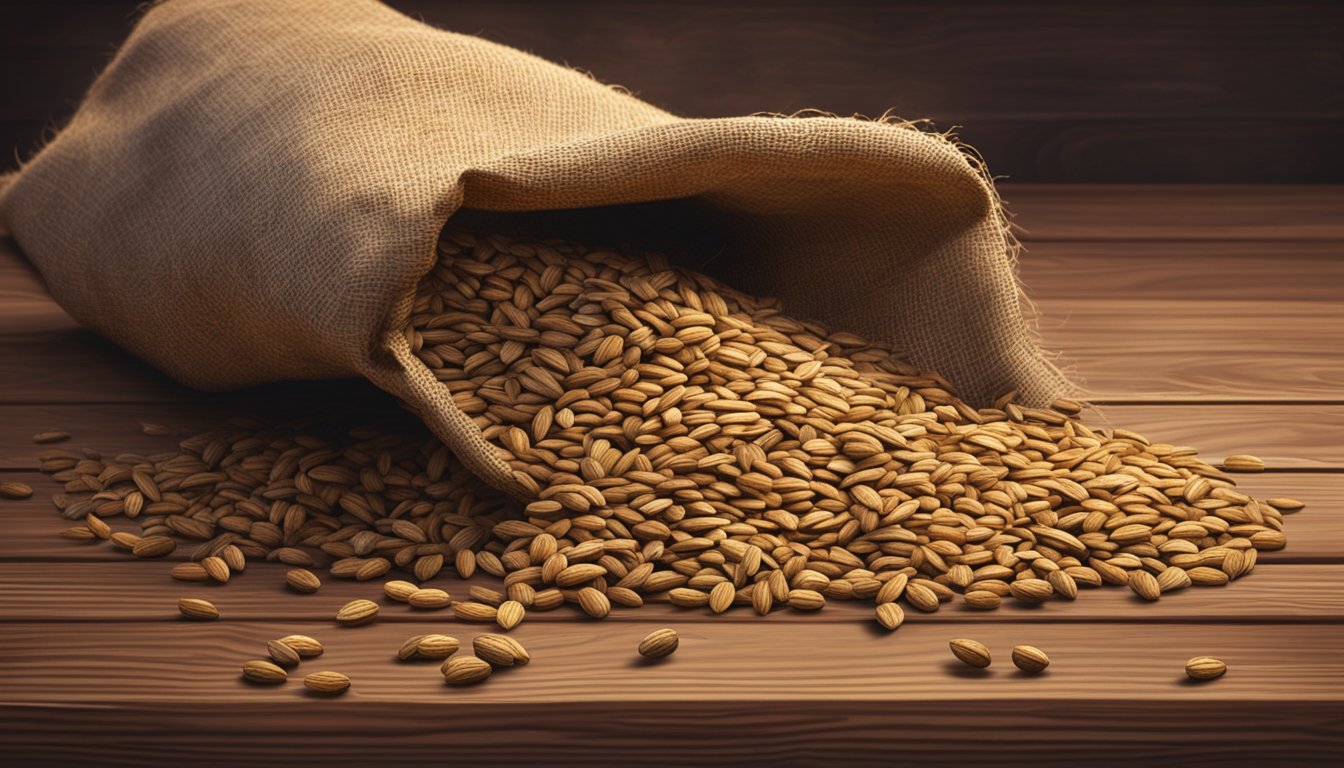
x: 196, y: 608
x: 302, y: 580
x: 282, y: 653
x: 593, y: 603
x: 153, y: 546
x: 1029, y: 658
x: 1205, y: 668
x: 806, y: 600
x: 357, y: 612
x: 430, y: 599
x: 1145, y: 585
x: 215, y: 567
x: 510, y: 614
x: 265, y: 672
x: 970, y: 652
x: 1243, y: 463
x: 436, y: 646
x: 303, y: 645
x: 982, y: 599
x: 500, y: 650
x: 400, y: 591
x: 469, y: 611
x: 465, y: 670
x: 721, y: 597
x: 189, y: 572
x: 327, y: 683
x: 13, y: 489
x: 890, y: 616
x: 659, y: 643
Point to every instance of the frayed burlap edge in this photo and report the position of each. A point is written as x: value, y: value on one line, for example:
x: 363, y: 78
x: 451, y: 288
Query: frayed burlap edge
x: 1066, y: 375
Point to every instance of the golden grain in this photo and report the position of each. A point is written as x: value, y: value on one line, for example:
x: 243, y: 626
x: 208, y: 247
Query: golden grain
x: 304, y: 645
x: 1205, y: 668
x: 357, y: 612
x: 266, y: 672
x: 970, y: 652
x: 465, y: 670
x: 1029, y: 658
x: 196, y: 608
x: 327, y: 683
x: 13, y: 489
x: 302, y: 580
x: 659, y: 643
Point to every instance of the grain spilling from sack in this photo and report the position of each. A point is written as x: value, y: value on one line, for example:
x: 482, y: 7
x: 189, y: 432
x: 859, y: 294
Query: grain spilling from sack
x: 679, y: 441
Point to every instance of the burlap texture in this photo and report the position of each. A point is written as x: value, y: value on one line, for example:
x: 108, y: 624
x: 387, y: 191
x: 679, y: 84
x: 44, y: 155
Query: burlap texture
x: 252, y: 189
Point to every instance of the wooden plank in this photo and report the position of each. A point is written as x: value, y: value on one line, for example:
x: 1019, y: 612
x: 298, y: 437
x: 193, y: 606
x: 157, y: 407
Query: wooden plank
x: 128, y: 663
x: 1285, y: 436
x: 90, y: 592
x: 1213, y: 350
x: 55, y: 366
x: 25, y: 304
x: 1316, y: 535
x: 1162, y: 350
x: 1180, y: 321
x: 1182, y: 212
x: 1181, y: 270
x: 281, y: 731
x: 145, y: 695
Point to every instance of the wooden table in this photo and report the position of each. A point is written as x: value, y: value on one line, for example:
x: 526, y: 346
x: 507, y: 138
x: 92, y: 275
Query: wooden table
x: 1206, y: 316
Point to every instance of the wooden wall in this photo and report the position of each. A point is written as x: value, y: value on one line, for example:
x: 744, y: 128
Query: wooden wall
x: 1145, y: 91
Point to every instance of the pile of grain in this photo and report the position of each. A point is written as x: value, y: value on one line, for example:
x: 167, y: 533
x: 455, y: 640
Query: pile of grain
x: 683, y: 442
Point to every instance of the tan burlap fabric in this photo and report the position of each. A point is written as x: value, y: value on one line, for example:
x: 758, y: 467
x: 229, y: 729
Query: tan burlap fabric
x: 252, y: 189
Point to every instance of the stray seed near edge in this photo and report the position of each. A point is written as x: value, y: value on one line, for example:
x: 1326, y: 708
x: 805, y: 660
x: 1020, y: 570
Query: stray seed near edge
x: 262, y: 671
x: 465, y: 670
x: 1205, y: 668
x: 1243, y: 463
x: 970, y: 652
x: 198, y: 609
x: 659, y: 643
x: 15, y: 490
x: 1029, y: 658
x: 326, y: 682
x: 357, y: 612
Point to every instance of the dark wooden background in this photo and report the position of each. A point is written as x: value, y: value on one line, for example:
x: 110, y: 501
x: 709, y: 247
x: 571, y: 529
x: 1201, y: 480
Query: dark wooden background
x: 1143, y: 91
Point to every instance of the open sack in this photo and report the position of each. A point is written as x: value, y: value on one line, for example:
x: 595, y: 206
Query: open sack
x: 253, y: 188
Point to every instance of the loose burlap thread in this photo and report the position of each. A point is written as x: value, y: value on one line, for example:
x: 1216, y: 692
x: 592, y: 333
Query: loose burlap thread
x: 252, y: 189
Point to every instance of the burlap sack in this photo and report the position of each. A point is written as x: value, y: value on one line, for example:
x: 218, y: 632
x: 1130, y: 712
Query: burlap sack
x: 252, y: 189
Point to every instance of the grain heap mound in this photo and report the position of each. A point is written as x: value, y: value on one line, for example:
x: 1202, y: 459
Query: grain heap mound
x: 678, y: 440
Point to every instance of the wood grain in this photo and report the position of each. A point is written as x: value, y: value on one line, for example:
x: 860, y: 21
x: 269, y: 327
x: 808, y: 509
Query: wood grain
x: 145, y: 694
x: 93, y: 592
x: 1211, y: 350
x: 1097, y: 731
x: 1180, y: 270
x: 725, y: 661
x: 1285, y: 436
x: 1182, y: 321
x: 1183, y: 212
x: 1197, y: 351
